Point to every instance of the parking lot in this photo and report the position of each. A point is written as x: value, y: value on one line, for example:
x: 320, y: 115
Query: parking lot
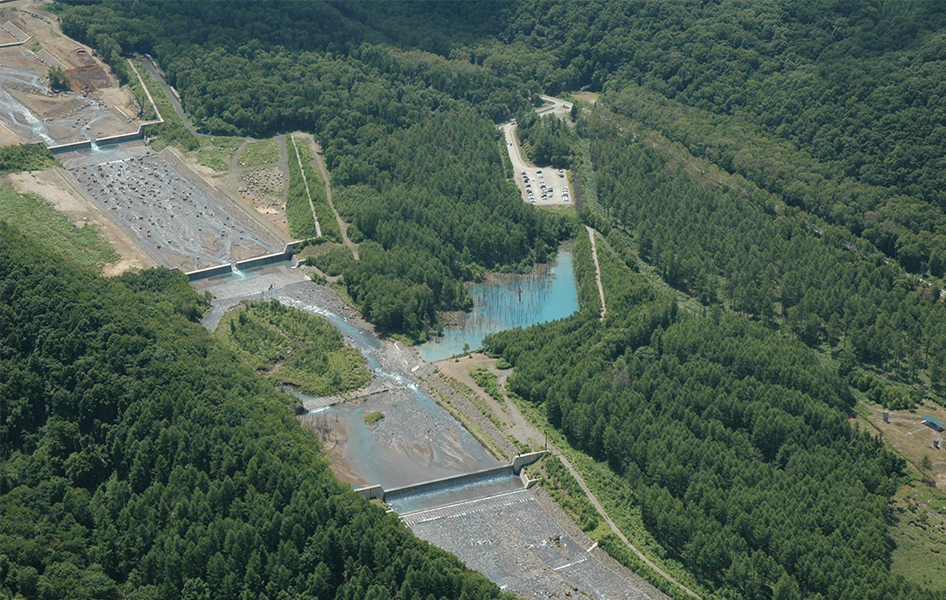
x: 539, y: 186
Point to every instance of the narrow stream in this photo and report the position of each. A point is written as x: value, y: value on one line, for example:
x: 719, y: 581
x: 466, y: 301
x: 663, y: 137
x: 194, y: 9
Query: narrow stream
x: 417, y: 440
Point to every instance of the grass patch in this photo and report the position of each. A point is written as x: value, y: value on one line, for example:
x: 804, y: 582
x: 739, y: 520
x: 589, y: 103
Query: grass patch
x: 38, y: 218
x: 172, y: 132
x: 487, y: 380
x: 919, y: 532
x: 259, y: 153
x: 298, y: 210
x: 294, y: 348
x: 217, y: 151
x: 373, y: 417
x: 564, y: 489
x: 324, y: 212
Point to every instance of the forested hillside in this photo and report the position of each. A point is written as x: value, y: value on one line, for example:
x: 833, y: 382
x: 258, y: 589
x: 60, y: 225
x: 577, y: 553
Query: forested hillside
x: 141, y: 460
x: 837, y: 107
x: 411, y: 132
x: 734, y: 439
x: 780, y: 265
x: 798, y: 266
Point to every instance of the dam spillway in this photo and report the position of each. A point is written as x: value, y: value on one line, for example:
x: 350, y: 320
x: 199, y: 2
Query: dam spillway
x: 456, y: 488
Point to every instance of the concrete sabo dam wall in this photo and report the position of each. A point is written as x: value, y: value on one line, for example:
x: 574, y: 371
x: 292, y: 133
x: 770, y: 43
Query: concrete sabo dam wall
x: 243, y: 265
x: 115, y: 139
x: 376, y: 491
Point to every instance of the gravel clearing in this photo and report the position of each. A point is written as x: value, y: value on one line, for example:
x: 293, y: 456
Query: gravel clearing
x: 512, y: 540
x: 172, y: 217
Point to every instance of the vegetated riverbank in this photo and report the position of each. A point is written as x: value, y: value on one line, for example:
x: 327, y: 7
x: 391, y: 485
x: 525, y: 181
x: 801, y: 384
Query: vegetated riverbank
x: 416, y: 441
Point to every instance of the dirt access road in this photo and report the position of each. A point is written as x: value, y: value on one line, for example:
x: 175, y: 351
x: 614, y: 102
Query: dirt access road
x: 317, y: 153
x: 594, y: 256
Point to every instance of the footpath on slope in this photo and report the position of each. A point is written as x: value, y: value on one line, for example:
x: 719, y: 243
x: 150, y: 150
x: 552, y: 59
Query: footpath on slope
x: 342, y: 225
x: 594, y: 256
x: 318, y: 228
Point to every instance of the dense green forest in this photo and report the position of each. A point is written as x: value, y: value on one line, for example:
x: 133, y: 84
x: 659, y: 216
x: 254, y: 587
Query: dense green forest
x: 141, y: 459
x: 733, y: 246
x: 734, y: 439
x: 836, y: 107
x: 25, y: 157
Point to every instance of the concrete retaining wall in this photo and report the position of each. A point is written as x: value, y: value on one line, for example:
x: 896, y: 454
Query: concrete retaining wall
x: 115, y: 139
x: 83, y: 145
x: 371, y: 492
x: 262, y: 261
x: 376, y: 491
x: 526, y: 459
x: 250, y: 263
x: 125, y: 137
x: 209, y: 272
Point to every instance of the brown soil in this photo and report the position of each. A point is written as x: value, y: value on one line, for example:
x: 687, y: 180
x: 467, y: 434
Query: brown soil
x: 8, y: 138
x: 89, y: 75
x: 54, y: 187
x: 514, y: 424
x: 334, y: 443
x: 589, y: 97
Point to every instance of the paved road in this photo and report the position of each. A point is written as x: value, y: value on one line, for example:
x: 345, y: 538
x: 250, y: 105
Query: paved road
x: 559, y: 107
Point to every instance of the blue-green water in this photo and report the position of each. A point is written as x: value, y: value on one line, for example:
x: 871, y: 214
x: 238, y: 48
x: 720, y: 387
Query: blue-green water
x: 513, y: 301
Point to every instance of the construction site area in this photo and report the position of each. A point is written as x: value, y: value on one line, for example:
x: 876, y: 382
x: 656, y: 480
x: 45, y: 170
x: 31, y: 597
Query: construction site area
x: 31, y: 44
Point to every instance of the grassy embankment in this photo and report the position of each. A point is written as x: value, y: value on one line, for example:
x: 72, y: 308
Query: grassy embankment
x: 216, y: 152
x: 31, y: 213
x: 260, y: 152
x: 298, y: 210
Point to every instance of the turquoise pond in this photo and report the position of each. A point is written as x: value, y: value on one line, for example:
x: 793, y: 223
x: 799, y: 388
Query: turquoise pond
x: 506, y: 302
